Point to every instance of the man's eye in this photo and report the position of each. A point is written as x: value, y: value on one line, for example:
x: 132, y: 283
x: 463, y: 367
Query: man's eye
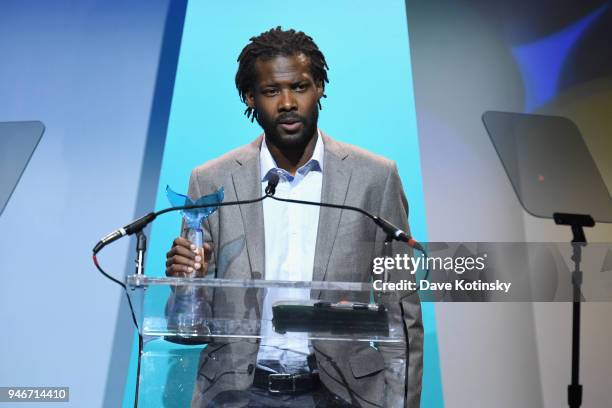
x: 270, y: 92
x: 301, y: 87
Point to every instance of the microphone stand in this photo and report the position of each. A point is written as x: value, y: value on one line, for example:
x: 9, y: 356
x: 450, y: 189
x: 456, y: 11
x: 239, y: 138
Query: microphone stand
x: 386, y: 253
x: 141, y: 248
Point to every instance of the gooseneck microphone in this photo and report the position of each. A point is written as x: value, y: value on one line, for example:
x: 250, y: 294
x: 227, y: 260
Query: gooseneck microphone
x: 392, y: 231
x: 131, y: 228
x: 396, y: 232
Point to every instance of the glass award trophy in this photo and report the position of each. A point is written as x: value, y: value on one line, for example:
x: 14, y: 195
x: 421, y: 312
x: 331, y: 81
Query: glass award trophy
x: 187, y: 310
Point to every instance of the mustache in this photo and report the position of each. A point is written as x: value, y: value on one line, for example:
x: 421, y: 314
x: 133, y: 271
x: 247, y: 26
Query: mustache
x: 289, y: 118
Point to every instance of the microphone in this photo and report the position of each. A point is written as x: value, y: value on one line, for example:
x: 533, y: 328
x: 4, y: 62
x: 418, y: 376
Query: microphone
x: 129, y: 229
x: 139, y: 224
x: 396, y: 232
x: 272, y: 183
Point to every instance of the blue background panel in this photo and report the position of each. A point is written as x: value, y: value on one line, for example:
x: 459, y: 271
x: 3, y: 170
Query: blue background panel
x: 370, y: 104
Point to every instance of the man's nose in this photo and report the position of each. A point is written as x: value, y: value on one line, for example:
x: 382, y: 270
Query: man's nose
x: 287, y: 101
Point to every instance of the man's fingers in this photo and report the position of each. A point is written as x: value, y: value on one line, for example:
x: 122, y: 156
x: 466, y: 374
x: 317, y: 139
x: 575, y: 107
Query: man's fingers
x: 184, y: 258
x: 182, y: 251
x: 194, y: 263
x: 180, y: 260
x: 178, y: 270
x: 182, y: 242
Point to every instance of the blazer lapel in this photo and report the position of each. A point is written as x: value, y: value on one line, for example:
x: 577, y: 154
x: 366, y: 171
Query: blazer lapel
x: 247, y: 185
x: 336, y: 178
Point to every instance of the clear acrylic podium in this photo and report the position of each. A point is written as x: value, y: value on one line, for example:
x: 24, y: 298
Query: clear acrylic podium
x: 179, y: 317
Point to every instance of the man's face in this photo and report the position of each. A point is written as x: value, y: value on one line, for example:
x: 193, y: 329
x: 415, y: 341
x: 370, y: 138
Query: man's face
x: 285, y: 96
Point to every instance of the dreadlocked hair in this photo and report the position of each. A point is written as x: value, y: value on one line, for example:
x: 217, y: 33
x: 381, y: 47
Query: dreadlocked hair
x: 273, y: 43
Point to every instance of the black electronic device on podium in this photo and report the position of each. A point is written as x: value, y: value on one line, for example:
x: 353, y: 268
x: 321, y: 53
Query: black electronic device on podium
x: 554, y: 176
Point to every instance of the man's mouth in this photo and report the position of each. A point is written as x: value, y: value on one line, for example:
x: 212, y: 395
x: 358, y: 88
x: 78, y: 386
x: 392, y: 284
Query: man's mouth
x: 290, y: 125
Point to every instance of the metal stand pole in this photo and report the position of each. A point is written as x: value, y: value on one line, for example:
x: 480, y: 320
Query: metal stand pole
x: 141, y: 249
x: 574, y: 390
x: 386, y: 252
x: 577, y: 222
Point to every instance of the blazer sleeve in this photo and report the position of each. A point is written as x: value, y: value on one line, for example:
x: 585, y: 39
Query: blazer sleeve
x: 394, y: 208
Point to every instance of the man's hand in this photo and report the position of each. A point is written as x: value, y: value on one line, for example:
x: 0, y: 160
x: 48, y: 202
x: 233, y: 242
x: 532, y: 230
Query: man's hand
x: 185, y: 260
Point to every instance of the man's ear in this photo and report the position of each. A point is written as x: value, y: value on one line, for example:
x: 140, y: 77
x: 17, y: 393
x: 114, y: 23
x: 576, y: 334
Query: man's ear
x: 250, y: 99
x: 320, y: 89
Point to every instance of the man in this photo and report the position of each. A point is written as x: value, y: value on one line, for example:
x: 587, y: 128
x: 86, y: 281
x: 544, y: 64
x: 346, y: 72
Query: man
x: 281, y: 78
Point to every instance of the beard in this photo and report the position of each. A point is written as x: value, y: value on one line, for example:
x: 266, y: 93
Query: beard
x: 283, y: 139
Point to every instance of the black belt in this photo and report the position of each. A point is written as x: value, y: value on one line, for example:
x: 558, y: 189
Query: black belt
x: 285, y: 383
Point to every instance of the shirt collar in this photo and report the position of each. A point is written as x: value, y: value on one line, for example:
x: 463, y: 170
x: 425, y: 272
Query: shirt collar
x: 268, y: 165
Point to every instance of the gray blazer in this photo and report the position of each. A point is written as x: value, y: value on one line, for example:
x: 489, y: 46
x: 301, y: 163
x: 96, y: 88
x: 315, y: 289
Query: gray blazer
x: 351, y: 176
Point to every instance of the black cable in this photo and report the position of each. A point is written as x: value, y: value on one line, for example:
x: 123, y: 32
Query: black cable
x: 95, y: 260
x: 140, y: 339
x: 377, y: 220
x: 227, y: 203
x: 338, y: 206
x: 140, y: 351
x: 138, y: 225
x: 415, y: 244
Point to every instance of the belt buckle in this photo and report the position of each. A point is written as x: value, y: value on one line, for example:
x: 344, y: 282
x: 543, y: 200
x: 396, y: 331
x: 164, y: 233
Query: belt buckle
x: 273, y: 390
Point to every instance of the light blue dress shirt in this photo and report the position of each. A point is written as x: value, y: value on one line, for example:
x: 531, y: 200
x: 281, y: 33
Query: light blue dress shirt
x: 290, y: 240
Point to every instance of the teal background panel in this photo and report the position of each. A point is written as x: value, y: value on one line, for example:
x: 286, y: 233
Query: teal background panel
x: 370, y: 104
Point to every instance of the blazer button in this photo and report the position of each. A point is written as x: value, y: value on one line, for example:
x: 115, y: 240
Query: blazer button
x: 250, y: 368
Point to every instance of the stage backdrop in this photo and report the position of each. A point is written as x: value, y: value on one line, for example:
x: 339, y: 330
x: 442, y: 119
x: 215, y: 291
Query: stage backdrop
x: 370, y: 104
x: 87, y: 70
